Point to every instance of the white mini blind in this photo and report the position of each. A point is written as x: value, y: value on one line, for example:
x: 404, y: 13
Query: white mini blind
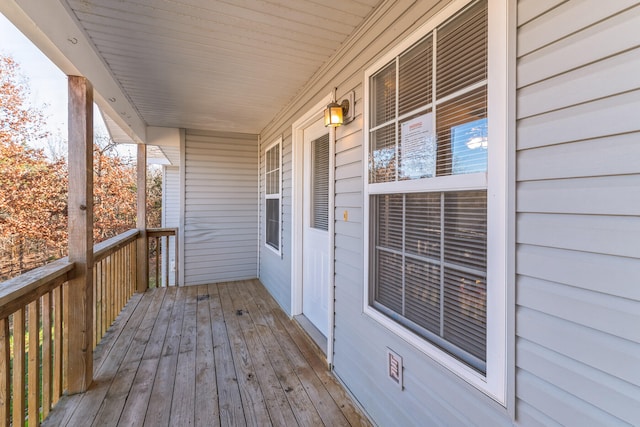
x: 454, y: 100
x: 430, y: 253
x: 320, y: 183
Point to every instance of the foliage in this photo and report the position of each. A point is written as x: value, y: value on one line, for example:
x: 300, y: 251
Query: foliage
x: 154, y: 197
x: 32, y: 200
x: 114, y: 192
x: 33, y: 187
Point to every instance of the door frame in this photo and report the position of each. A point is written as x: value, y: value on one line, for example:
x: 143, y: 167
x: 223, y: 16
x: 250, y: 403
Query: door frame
x: 297, y: 205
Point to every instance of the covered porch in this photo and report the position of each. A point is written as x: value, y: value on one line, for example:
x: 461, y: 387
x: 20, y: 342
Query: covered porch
x: 212, y: 354
x: 218, y: 354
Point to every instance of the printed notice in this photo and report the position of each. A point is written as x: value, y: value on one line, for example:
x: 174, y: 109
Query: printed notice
x: 418, y: 148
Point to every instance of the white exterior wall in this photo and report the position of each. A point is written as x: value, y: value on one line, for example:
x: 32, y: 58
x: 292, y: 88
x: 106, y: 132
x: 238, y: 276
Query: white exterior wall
x: 170, y: 218
x: 578, y: 172
x: 221, y: 207
x: 275, y: 269
x: 574, y: 324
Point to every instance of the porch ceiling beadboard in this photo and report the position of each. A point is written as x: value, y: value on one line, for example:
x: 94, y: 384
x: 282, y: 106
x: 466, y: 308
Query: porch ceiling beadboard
x: 211, y: 64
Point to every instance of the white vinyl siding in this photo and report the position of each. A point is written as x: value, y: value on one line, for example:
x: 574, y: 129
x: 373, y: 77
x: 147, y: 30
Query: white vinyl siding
x: 221, y: 207
x: 273, y: 195
x: 578, y: 213
x: 170, y: 218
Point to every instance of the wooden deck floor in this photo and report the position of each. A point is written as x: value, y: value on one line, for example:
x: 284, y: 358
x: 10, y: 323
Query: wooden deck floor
x: 208, y: 355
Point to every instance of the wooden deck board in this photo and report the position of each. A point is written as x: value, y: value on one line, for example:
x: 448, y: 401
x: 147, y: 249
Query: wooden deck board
x: 211, y: 355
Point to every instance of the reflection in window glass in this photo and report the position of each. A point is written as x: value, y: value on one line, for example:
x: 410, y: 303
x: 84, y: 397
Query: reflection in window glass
x: 469, y: 145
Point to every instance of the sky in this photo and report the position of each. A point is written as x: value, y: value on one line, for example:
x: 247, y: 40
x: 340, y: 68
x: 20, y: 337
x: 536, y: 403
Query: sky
x: 48, y: 84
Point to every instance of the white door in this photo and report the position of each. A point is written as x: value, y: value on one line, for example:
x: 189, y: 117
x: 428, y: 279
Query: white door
x: 315, y: 264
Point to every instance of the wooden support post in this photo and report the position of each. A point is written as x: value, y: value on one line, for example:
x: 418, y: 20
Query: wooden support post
x: 78, y: 317
x: 142, y: 256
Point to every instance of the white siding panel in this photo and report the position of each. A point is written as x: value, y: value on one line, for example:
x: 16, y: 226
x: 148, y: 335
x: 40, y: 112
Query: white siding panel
x: 531, y: 9
x: 611, y: 235
x: 565, y: 20
x: 613, y: 395
x: 560, y: 406
x: 221, y: 207
x: 605, y: 274
x: 617, y: 195
x: 611, y: 355
x: 606, y: 313
x: 581, y: 159
x: 609, y: 116
x: 615, y: 75
x: 607, y: 38
x: 531, y: 417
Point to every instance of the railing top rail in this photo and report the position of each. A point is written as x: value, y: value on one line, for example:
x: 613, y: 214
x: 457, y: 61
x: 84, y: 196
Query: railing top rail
x: 158, y: 232
x: 106, y: 248
x: 27, y: 286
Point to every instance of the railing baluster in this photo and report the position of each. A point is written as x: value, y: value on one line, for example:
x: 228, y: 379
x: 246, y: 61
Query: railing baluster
x: 33, y: 382
x: 105, y: 297
x: 5, y: 373
x: 57, y: 382
x: 18, y: 368
x: 46, y: 354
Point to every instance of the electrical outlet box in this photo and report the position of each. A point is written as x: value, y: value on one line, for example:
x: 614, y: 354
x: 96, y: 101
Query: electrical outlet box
x: 395, y: 368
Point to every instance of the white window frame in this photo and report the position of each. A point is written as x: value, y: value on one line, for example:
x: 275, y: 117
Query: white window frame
x: 278, y: 196
x: 499, y: 212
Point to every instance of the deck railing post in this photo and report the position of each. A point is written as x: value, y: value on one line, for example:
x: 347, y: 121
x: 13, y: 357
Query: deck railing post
x: 142, y: 278
x: 78, y: 316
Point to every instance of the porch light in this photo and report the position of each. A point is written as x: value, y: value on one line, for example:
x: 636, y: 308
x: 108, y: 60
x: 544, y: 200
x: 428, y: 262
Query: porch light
x: 338, y: 114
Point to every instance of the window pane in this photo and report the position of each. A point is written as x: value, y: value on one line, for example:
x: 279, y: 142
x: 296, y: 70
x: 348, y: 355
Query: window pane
x: 382, y: 161
x: 462, y: 51
x: 272, y: 173
x: 462, y: 134
x: 383, y: 93
x: 414, y: 77
x: 465, y: 229
x: 429, y: 267
x: 423, y: 225
x: 423, y: 294
x: 388, y: 286
x: 388, y: 216
x: 273, y: 223
x: 320, y: 183
x: 465, y: 297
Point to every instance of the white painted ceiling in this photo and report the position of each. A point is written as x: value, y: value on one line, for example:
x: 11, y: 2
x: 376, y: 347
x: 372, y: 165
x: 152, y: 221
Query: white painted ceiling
x: 213, y: 64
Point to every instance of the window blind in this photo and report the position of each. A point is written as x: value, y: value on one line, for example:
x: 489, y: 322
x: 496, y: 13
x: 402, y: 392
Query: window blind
x: 320, y: 183
x: 451, y: 103
x: 429, y: 272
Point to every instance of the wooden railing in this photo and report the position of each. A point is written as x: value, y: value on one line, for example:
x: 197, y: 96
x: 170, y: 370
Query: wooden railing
x: 160, y: 247
x: 34, y: 331
x: 114, y: 279
x: 31, y: 340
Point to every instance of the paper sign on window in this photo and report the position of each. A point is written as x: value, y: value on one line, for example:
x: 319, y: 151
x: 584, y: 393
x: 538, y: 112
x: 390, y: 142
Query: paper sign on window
x: 418, y: 148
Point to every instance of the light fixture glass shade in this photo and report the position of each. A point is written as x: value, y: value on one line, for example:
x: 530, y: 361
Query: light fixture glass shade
x: 333, y: 115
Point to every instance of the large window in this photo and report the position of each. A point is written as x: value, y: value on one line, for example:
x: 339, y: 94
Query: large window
x: 273, y: 183
x: 429, y: 151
